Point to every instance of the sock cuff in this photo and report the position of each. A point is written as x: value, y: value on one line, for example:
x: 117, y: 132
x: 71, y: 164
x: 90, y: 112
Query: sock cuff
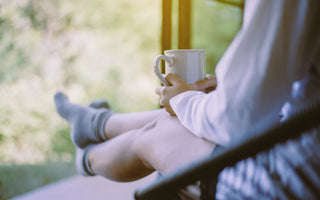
x: 98, y: 122
x: 101, y: 124
x: 85, y: 161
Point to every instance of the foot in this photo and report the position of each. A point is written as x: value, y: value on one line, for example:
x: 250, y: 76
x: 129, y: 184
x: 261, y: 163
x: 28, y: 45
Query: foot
x: 87, y: 122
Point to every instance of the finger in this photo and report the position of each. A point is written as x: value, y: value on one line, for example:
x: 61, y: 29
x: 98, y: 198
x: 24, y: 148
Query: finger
x: 174, y: 79
x: 162, y: 102
x: 159, y: 90
x: 210, y: 76
x: 205, y: 83
x: 170, y: 111
x: 209, y: 83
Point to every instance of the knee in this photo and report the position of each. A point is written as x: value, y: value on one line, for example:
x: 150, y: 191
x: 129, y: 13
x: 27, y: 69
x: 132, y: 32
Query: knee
x: 142, y: 145
x: 150, y: 143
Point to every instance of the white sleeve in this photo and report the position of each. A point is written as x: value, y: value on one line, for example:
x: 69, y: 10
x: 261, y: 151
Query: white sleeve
x: 273, y: 49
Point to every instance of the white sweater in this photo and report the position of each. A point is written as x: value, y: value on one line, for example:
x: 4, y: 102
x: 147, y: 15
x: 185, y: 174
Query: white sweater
x: 277, y: 44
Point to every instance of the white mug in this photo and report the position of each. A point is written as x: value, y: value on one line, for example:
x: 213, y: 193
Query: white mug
x: 188, y: 64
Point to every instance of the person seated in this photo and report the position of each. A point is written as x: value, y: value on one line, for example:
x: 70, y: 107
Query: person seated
x: 276, y: 46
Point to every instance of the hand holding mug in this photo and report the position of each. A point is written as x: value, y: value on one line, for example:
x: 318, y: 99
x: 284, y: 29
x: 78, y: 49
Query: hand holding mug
x: 177, y: 86
x: 183, y: 67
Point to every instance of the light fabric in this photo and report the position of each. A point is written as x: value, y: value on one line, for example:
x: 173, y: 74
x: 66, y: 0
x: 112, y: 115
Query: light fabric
x: 276, y: 46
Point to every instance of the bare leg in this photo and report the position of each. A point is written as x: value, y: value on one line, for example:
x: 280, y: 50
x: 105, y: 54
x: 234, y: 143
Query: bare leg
x: 120, y: 123
x: 163, y: 145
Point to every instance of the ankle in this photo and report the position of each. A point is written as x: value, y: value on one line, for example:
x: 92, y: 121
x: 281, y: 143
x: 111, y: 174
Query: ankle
x: 109, y: 131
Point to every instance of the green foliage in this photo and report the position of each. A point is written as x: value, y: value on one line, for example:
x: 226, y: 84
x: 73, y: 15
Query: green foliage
x: 61, y: 141
x: 18, y: 179
x: 214, y: 27
x: 96, y: 49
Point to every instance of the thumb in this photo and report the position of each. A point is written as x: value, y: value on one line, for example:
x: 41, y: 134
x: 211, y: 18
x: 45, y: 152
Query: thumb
x: 159, y: 90
x: 174, y: 79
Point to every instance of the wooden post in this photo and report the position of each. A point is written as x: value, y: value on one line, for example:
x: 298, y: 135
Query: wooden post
x: 184, y: 27
x: 166, y: 28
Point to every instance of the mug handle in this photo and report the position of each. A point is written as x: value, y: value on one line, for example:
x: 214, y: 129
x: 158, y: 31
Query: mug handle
x: 156, y: 70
